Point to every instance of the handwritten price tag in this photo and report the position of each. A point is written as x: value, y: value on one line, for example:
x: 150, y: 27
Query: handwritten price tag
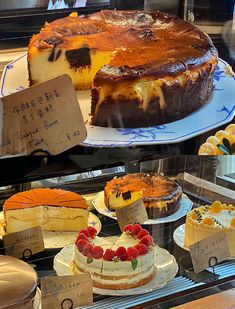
x: 209, y: 251
x: 24, y: 243
x: 66, y: 292
x: 132, y: 213
x: 45, y: 116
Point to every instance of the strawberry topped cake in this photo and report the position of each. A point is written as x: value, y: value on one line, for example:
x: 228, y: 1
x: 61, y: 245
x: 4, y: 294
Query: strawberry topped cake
x: 125, y: 263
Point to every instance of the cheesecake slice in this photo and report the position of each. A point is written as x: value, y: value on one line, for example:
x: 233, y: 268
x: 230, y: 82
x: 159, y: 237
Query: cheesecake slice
x: 52, y: 209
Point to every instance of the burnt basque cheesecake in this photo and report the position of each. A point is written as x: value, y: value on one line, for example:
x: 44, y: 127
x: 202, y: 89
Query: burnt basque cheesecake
x: 161, y: 196
x: 143, y: 68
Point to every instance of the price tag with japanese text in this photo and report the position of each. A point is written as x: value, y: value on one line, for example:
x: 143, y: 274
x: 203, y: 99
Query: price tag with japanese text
x: 24, y: 243
x: 66, y: 292
x: 132, y: 213
x: 43, y: 117
x: 209, y: 251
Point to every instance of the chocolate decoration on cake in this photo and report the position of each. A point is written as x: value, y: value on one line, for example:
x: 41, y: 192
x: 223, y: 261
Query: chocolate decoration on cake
x: 79, y: 57
x: 126, y: 195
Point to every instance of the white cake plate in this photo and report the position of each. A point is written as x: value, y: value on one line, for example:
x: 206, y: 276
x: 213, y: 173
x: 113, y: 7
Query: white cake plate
x: 178, y: 237
x: 185, y: 206
x: 55, y: 239
x: 219, y: 110
x: 167, y: 269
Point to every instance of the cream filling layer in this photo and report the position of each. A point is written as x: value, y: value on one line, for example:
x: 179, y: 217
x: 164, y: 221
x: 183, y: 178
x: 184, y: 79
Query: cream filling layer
x: 50, y: 218
x: 123, y: 269
x: 99, y: 268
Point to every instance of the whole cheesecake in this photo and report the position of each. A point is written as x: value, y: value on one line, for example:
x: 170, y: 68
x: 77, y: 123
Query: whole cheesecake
x: 144, y: 68
x: 52, y: 209
x: 208, y: 220
x: 18, y: 284
x: 125, y: 263
x: 161, y: 196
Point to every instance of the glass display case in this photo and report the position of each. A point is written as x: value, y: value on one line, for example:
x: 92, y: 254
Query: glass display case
x: 177, y: 172
x: 168, y: 233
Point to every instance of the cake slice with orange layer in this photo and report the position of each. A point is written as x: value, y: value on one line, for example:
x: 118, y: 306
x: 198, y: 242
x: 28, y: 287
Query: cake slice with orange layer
x: 52, y: 209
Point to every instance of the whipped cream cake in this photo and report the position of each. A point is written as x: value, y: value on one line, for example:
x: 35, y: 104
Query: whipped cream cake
x: 52, y: 209
x: 125, y: 263
x: 144, y: 68
x: 207, y: 220
x: 161, y: 196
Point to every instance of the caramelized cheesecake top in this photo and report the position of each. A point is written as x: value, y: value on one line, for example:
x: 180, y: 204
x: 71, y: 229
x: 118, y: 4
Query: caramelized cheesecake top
x: 45, y: 197
x: 151, y: 43
x: 152, y: 186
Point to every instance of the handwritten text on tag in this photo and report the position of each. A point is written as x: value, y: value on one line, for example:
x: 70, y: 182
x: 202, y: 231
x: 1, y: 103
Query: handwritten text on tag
x: 209, y: 251
x: 24, y: 243
x: 132, y: 213
x: 46, y: 116
x: 66, y: 291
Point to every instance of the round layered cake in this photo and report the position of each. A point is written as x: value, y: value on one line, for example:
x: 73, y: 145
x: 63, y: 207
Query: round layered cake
x: 18, y: 284
x: 52, y: 209
x: 161, y: 196
x: 144, y: 68
x: 208, y: 220
x: 125, y: 263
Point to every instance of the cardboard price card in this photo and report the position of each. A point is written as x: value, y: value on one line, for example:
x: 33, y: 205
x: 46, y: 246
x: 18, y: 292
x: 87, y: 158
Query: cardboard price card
x: 24, y: 243
x: 132, y: 213
x: 209, y: 251
x: 43, y: 117
x: 66, y: 292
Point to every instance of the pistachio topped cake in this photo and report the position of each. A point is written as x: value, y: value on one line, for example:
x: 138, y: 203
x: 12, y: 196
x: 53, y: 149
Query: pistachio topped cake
x: 207, y: 220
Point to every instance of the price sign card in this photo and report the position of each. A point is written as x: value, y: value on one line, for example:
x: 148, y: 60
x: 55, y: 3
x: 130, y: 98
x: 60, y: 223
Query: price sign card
x: 66, y: 292
x: 45, y: 116
x: 209, y: 251
x: 24, y: 243
x: 132, y: 213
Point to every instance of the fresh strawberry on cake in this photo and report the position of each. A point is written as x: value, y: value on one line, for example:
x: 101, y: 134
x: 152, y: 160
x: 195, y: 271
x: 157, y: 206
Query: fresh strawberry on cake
x: 125, y: 263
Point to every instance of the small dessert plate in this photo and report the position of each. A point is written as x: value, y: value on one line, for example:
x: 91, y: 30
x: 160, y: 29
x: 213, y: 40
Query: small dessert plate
x: 178, y: 237
x: 219, y: 110
x: 57, y: 239
x: 185, y: 206
x: 166, y: 264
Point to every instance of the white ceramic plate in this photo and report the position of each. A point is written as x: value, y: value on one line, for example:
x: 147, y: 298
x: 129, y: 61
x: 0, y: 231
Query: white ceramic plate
x: 185, y: 206
x: 178, y: 237
x: 219, y: 110
x: 167, y: 269
x: 55, y: 239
